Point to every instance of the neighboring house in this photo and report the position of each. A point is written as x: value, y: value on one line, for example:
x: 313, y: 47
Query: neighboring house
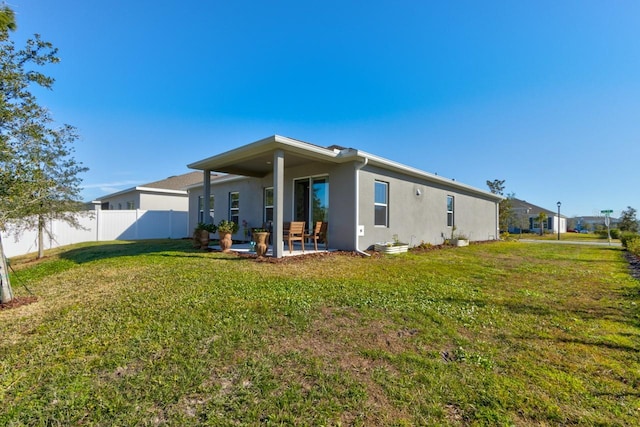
x: 524, y: 217
x: 593, y: 223
x: 167, y: 194
x: 365, y: 198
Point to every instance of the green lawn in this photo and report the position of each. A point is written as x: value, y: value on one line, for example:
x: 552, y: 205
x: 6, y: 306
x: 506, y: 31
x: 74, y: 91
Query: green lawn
x: 574, y: 237
x: 156, y: 333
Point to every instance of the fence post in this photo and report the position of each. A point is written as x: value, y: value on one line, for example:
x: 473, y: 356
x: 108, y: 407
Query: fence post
x: 98, y: 224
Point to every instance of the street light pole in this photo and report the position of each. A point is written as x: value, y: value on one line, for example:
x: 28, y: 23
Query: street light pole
x: 559, y: 220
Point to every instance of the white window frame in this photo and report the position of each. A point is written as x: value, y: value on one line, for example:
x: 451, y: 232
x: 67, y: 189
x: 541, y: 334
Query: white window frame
x: 266, y: 206
x: 377, y: 204
x: 234, y: 212
x: 451, y: 218
x: 201, y: 208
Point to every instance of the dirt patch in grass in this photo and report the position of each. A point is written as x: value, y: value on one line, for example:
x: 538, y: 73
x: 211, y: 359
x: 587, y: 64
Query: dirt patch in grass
x: 634, y: 264
x: 18, y: 302
x: 339, y: 337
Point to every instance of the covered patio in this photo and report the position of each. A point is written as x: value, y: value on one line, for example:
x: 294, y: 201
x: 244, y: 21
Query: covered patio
x: 269, y: 157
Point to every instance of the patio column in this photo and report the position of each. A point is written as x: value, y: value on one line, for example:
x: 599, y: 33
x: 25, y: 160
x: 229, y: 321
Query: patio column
x: 278, y: 202
x: 206, y: 208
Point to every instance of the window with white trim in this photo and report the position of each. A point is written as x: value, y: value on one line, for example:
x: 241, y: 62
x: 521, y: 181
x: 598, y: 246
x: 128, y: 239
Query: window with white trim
x: 381, y: 204
x: 450, y: 207
x: 201, y: 208
x: 234, y: 207
x: 268, y: 205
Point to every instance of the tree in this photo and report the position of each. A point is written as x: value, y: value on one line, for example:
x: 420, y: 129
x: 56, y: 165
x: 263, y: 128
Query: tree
x: 542, y: 218
x: 504, y: 208
x: 38, y: 174
x: 628, y: 220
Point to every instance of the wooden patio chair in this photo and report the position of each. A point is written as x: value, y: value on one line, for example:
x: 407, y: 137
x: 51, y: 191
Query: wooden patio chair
x: 319, y: 232
x: 296, y: 233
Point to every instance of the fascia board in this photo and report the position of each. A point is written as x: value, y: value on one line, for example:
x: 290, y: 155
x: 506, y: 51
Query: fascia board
x: 162, y: 190
x: 262, y: 146
x: 133, y: 190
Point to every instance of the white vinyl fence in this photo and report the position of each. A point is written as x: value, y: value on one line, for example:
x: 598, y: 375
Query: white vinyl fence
x: 102, y: 226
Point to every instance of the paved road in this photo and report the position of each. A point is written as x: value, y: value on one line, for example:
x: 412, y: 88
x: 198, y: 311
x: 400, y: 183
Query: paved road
x: 572, y: 242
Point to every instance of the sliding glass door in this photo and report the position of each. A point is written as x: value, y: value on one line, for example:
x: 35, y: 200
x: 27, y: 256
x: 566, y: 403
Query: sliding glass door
x: 311, y: 200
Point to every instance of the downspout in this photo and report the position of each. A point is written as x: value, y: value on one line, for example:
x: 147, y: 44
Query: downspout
x: 358, y: 166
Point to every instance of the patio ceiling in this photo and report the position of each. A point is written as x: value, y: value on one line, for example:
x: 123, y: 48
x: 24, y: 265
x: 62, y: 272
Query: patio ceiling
x: 256, y: 159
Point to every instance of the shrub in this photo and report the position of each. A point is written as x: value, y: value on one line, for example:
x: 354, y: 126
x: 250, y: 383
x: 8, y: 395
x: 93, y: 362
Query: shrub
x: 633, y: 246
x: 615, y: 233
x: 627, y: 237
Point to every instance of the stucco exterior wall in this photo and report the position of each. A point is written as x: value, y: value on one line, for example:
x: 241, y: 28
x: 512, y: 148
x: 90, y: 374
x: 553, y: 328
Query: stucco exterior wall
x: 251, y: 202
x: 148, y: 201
x: 120, y: 201
x: 417, y: 208
x: 164, y: 202
x: 418, y: 211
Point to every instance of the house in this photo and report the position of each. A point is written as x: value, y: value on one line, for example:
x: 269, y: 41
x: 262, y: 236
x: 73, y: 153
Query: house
x: 525, y: 217
x: 593, y: 223
x: 364, y: 198
x: 167, y: 194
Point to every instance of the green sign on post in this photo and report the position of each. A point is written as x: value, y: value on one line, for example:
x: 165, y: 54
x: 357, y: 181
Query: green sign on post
x: 608, y: 211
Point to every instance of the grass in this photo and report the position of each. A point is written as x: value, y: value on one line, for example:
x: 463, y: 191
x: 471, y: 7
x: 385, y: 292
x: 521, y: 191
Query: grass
x: 574, y: 237
x: 156, y: 333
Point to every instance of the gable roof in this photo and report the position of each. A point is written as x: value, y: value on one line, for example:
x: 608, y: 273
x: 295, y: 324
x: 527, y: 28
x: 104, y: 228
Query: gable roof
x: 176, y: 184
x: 255, y: 160
x: 522, y: 206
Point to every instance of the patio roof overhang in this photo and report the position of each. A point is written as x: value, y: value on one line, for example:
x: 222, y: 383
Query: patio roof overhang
x: 256, y: 159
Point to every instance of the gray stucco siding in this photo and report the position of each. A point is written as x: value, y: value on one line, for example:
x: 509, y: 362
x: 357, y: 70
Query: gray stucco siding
x: 417, y: 210
x: 251, y: 202
x: 154, y: 201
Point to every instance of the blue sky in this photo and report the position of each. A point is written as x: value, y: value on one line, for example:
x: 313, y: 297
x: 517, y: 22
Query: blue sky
x: 542, y: 94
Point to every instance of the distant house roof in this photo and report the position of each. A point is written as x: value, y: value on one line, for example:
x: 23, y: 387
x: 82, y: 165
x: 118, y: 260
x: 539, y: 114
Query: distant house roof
x: 522, y: 206
x: 177, y: 184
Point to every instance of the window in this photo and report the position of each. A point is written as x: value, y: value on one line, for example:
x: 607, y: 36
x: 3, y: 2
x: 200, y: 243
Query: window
x: 131, y: 205
x: 381, y: 204
x: 201, y: 208
x: 450, y: 211
x: 311, y: 199
x: 234, y: 207
x: 268, y: 205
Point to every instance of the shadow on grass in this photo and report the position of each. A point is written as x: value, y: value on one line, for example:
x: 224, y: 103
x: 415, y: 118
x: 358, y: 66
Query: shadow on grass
x: 125, y: 249
x: 67, y: 259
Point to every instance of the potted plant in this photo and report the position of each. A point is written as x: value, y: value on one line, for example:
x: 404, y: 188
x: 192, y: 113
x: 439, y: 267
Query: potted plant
x: 225, y: 230
x: 201, y: 234
x: 261, y: 237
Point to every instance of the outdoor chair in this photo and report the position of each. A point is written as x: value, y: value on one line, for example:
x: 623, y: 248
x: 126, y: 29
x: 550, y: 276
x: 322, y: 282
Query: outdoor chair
x: 296, y: 233
x: 319, y: 232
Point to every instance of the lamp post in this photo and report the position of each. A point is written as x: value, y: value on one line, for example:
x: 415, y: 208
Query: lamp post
x: 559, y: 220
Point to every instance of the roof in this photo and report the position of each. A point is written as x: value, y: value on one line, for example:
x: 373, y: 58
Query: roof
x: 176, y: 184
x: 255, y: 159
x: 522, y: 206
